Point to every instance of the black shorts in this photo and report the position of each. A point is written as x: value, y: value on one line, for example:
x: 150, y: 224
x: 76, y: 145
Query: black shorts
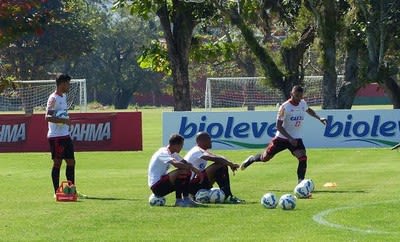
x: 278, y: 144
x: 162, y: 187
x: 61, y: 148
x: 195, y: 184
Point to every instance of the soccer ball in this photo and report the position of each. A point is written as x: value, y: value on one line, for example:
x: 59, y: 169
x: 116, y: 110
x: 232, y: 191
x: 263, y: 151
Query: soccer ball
x: 216, y: 195
x: 156, y: 201
x: 202, y: 196
x: 287, y: 202
x: 309, y: 184
x: 302, y: 190
x: 269, y: 200
x: 61, y: 114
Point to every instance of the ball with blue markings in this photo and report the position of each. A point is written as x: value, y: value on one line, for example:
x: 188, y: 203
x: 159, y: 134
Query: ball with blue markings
x: 156, y: 201
x: 287, y: 202
x: 202, y: 196
x: 269, y: 200
x: 216, y: 195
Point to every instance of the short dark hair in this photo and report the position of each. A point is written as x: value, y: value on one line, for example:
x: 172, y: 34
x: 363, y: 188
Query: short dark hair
x: 176, y: 139
x: 201, y: 136
x: 297, y: 88
x: 61, y: 78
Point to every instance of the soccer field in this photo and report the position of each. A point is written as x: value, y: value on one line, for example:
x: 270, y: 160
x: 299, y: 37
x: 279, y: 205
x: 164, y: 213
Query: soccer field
x: 363, y: 207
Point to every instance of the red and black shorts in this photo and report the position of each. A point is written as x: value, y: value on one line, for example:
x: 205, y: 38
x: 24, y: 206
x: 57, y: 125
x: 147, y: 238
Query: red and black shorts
x: 162, y: 187
x: 61, y: 148
x: 195, y: 184
x: 278, y: 144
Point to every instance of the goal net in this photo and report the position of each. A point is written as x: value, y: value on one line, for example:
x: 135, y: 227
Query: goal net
x: 30, y: 96
x: 250, y: 92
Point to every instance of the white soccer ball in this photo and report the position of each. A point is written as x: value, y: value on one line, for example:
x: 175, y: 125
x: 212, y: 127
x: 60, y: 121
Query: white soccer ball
x: 61, y: 114
x: 269, y: 200
x: 287, y: 202
x: 302, y: 191
x: 216, y: 195
x: 309, y: 184
x: 202, y: 196
x: 156, y: 201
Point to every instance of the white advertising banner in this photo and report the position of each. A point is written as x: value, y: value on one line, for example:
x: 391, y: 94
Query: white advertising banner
x: 254, y: 129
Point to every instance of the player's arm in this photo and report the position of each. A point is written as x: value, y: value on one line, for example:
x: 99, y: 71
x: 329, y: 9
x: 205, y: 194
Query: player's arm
x: 50, y: 117
x: 282, y: 130
x: 312, y: 113
x: 220, y: 160
x: 183, y: 164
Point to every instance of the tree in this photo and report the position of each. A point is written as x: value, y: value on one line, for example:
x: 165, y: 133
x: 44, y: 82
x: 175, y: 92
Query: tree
x: 19, y: 18
x: 178, y: 20
x: 381, y: 20
x: 65, y: 38
x: 259, y: 16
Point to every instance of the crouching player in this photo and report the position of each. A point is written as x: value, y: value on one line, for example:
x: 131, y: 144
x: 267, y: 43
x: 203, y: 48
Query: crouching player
x: 161, y: 182
x: 217, y: 172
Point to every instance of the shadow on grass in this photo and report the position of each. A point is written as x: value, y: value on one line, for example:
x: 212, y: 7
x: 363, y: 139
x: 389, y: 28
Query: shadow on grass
x: 108, y: 199
x: 325, y: 191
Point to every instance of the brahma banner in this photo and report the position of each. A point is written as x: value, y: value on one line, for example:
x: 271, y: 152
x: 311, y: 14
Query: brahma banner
x: 120, y: 131
x: 254, y: 129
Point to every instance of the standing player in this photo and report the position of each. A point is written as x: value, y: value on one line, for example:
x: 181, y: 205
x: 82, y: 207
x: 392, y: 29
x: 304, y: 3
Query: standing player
x: 162, y: 183
x: 61, y: 146
x: 216, y: 172
x: 288, y: 136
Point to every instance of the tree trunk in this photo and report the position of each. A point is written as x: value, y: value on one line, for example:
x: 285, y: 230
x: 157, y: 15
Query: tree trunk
x: 178, y: 36
x: 122, y: 98
x: 292, y: 58
x: 328, y: 42
x: 270, y: 69
x: 392, y: 89
x: 348, y: 89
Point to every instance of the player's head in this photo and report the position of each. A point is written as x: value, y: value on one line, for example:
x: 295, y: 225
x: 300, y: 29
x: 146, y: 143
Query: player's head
x: 203, y: 140
x: 176, y: 142
x: 62, y: 82
x: 297, y: 93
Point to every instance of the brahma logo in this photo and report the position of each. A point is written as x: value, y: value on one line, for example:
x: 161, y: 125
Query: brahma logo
x: 91, y: 131
x: 12, y: 133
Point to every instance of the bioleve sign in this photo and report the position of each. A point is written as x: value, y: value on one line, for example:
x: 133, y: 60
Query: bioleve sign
x: 236, y: 130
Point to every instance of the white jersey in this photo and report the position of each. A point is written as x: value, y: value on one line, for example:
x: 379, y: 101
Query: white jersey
x: 56, y: 103
x: 160, y: 163
x: 194, y: 157
x: 292, y: 117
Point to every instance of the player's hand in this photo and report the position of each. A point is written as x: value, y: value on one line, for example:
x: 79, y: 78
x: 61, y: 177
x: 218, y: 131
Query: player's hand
x: 200, y: 175
x: 323, y: 120
x: 234, y: 167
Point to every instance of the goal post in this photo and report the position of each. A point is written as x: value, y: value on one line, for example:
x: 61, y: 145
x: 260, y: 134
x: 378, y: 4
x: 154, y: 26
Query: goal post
x: 251, y: 92
x: 32, y: 95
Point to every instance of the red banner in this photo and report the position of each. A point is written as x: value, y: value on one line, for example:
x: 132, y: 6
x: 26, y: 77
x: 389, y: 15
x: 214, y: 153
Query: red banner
x: 89, y: 132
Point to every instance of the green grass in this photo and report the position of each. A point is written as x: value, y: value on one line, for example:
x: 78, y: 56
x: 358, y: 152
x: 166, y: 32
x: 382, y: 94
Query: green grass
x: 363, y: 207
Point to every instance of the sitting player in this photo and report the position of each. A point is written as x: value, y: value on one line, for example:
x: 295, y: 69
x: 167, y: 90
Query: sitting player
x: 162, y: 183
x: 216, y: 172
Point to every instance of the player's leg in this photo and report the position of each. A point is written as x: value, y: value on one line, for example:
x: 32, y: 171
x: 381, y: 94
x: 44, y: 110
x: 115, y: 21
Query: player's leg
x: 195, y: 184
x: 275, y: 146
x: 163, y: 186
x: 69, y: 159
x: 300, y: 153
x: 56, y: 155
x: 220, y: 174
x: 180, y: 179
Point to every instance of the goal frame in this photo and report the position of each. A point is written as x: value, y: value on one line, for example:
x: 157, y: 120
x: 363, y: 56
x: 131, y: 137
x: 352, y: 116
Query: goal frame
x: 82, y: 89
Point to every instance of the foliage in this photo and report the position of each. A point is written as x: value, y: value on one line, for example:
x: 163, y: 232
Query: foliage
x: 18, y: 18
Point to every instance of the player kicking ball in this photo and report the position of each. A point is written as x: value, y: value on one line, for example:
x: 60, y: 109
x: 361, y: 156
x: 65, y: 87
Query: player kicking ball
x: 288, y: 136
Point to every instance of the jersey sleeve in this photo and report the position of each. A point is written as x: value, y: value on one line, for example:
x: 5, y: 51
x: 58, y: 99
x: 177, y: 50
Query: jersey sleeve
x: 281, y: 113
x: 165, y: 157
